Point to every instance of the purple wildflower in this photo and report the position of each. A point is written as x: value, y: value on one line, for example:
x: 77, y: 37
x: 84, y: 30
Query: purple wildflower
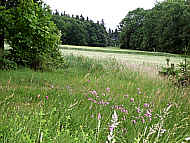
x: 94, y: 92
x: 108, y: 89
x: 146, y: 105
x: 138, y: 110
x: 143, y: 120
x: 111, y: 128
x: 134, y: 121
x: 124, y: 111
x: 132, y: 99
x: 148, y: 114
x: 90, y: 99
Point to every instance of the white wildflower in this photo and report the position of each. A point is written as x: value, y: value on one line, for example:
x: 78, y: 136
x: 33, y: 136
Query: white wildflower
x: 113, y: 125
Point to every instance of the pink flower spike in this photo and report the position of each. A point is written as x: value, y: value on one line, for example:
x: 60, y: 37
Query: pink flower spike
x: 143, y: 120
x: 94, y: 92
x: 111, y: 128
x: 132, y: 99
x: 148, y: 114
x: 47, y: 97
x: 134, y: 121
x: 138, y: 110
x: 99, y: 116
x: 146, y: 105
x: 108, y: 89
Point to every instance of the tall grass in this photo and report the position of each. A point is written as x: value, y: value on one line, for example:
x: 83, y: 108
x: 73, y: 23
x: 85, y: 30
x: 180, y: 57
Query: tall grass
x: 81, y: 102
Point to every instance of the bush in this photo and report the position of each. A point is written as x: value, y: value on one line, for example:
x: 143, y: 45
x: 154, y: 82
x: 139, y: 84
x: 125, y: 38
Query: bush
x: 179, y: 75
x: 6, y: 64
x: 47, y: 63
x: 32, y: 36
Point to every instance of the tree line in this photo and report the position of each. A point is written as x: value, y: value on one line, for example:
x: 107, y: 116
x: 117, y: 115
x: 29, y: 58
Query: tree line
x: 34, y: 32
x: 77, y: 30
x: 164, y: 28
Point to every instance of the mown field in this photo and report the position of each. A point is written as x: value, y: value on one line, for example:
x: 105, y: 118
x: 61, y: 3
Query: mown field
x: 140, y: 61
x: 93, y: 101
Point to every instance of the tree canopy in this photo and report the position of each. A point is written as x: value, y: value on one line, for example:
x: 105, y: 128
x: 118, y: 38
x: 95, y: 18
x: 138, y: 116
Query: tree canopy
x: 164, y: 28
x: 28, y: 29
x: 77, y: 30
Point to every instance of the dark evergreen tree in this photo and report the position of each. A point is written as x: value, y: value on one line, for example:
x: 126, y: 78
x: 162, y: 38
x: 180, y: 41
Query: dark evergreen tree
x: 78, y: 31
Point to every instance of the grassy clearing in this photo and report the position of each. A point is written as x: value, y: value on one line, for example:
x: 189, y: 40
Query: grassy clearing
x: 117, y: 50
x: 127, y: 58
x: 77, y: 104
x: 146, y: 64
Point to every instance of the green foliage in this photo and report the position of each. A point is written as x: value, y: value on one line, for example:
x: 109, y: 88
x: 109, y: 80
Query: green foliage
x: 78, y: 31
x: 164, y: 28
x: 179, y: 75
x: 33, y: 37
x: 6, y: 64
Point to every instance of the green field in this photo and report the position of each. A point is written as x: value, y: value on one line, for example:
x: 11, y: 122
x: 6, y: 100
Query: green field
x: 140, y: 61
x: 133, y: 56
x: 77, y: 104
x: 116, y: 50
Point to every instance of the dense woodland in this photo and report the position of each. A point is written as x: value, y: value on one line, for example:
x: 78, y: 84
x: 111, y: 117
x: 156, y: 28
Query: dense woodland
x: 164, y: 28
x: 77, y: 30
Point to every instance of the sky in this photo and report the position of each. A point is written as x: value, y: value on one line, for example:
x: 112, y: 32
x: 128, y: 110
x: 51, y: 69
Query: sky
x: 112, y: 11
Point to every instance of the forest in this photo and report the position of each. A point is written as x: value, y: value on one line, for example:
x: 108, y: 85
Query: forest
x: 77, y: 30
x: 164, y: 28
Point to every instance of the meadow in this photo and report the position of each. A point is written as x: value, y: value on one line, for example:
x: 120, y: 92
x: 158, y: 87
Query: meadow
x: 147, y: 63
x: 93, y: 100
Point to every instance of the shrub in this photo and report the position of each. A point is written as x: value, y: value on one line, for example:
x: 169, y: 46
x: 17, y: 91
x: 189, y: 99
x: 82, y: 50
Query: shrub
x: 32, y: 36
x: 6, y: 64
x: 179, y: 75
